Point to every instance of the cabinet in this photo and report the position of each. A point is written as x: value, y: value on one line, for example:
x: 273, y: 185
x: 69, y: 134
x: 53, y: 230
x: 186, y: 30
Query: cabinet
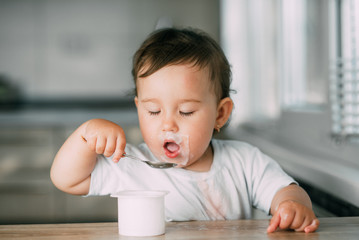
x: 27, y: 194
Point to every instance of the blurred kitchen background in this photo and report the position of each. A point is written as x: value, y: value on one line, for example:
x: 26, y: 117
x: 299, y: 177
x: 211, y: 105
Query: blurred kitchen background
x: 295, y: 74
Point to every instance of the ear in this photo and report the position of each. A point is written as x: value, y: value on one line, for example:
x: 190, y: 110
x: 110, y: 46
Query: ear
x: 224, y: 111
x: 136, y: 101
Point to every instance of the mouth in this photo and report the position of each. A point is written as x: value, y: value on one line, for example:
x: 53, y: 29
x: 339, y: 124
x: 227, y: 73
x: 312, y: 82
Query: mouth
x: 171, y: 148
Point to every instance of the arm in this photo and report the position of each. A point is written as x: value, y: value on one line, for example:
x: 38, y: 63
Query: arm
x: 291, y: 208
x: 74, y: 162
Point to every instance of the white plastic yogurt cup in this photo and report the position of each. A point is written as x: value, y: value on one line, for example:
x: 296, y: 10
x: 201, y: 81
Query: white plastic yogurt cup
x: 141, y: 213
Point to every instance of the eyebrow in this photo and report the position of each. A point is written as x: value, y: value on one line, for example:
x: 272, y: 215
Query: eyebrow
x: 190, y: 100
x: 149, y: 100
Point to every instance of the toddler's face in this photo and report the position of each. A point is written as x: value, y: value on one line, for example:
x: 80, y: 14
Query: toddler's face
x: 177, y: 112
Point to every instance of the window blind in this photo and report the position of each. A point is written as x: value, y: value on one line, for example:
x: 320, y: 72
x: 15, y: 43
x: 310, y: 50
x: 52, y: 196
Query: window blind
x: 344, y: 86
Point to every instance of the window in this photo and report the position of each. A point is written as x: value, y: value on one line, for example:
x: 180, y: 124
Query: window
x: 279, y: 56
x: 303, y: 54
x: 292, y: 53
x: 286, y: 51
x: 344, y: 69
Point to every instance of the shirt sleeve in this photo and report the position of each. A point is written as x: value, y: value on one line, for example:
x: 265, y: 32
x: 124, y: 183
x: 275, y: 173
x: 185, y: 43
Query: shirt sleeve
x: 104, y: 179
x: 267, y: 179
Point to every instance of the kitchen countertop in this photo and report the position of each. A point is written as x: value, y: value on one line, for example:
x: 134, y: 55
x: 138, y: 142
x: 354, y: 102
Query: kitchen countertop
x: 64, y: 117
x: 330, y: 228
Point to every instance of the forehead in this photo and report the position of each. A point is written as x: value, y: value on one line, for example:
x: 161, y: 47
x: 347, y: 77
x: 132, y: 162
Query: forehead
x: 186, y: 78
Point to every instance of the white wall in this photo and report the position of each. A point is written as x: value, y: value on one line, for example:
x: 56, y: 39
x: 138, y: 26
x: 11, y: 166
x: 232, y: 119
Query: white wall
x: 83, y: 48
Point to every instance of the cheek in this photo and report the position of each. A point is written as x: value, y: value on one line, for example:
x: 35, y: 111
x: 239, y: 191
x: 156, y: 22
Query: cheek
x: 200, y: 136
x: 149, y: 130
x: 203, y: 125
x: 144, y: 126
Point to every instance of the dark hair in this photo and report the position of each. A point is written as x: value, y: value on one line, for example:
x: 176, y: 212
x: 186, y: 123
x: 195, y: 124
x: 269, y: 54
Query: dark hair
x: 182, y: 46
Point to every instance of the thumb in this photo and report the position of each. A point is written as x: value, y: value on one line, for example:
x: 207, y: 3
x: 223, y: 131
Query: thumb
x: 274, y: 223
x: 120, y: 149
x: 118, y: 155
x: 313, y: 226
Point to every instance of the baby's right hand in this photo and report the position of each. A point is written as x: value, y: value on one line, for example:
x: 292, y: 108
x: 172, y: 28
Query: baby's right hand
x: 105, y: 137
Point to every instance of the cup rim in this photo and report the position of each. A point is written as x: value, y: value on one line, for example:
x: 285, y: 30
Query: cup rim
x: 140, y: 194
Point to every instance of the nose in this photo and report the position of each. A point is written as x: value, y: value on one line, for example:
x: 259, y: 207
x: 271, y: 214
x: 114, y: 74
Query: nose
x: 169, y: 123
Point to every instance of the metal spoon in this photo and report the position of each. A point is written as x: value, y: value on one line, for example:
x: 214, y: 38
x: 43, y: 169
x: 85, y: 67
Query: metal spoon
x: 160, y: 165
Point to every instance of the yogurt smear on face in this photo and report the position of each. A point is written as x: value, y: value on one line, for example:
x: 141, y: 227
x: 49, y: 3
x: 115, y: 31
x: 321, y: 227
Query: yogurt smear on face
x: 175, y: 148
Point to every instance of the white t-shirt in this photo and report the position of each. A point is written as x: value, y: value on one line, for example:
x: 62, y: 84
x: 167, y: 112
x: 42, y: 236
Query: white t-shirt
x: 240, y: 177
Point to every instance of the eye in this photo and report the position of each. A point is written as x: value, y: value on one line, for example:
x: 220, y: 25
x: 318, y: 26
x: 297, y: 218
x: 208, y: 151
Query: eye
x: 154, y: 113
x: 186, y: 114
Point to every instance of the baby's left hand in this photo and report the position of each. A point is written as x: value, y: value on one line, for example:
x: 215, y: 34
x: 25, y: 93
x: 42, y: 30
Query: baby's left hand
x: 293, y: 215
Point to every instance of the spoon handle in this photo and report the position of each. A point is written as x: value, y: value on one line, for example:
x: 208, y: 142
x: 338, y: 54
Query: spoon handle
x: 133, y: 157
x: 159, y: 165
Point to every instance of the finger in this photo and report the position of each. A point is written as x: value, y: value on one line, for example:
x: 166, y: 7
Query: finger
x: 274, y: 223
x: 286, y: 219
x: 312, y: 227
x: 110, y: 147
x: 117, y: 156
x: 299, y: 222
x: 100, y: 145
x: 120, y: 149
x: 306, y: 221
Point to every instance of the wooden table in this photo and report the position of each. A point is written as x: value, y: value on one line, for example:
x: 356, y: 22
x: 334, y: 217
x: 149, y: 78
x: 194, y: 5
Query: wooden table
x: 330, y: 228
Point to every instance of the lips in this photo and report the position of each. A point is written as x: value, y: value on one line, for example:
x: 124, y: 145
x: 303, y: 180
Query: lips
x: 171, y: 148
